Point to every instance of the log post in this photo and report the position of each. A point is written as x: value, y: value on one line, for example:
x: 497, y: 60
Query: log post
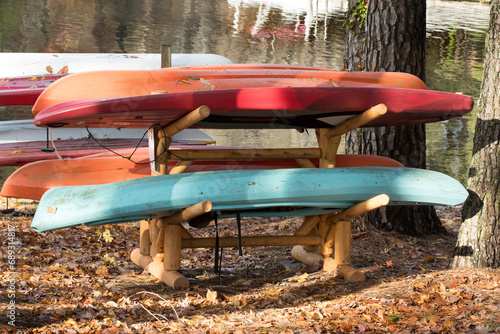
x: 325, y: 245
x: 166, y: 55
x: 153, y: 236
x: 144, y: 240
x: 172, y: 248
x: 161, y: 238
x: 328, y: 146
x: 338, y: 232
x: 167, y: 272
x: 343, y: 243
x: 343, y: 253
x: 160, y: 137
x: 171, y: 235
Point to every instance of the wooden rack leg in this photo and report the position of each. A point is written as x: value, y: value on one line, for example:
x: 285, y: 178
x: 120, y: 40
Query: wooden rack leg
x: 140, y: 256
x: 153, y: 236
x: 343, y: 252
x: 339, y: 232
x: 170, y: 233
x: 167, y: 271
x: 144, y: 240
x: 161, y: 238
x: 328, y: 146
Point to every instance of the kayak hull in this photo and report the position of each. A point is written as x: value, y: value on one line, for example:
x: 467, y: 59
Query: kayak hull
x: 33, y: 180
x: 310, y: 190
x: 107, y: 84
x: 264, y: 107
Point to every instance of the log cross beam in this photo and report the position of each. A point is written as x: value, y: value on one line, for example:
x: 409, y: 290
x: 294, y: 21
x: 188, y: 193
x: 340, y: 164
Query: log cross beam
x: 185, y: 122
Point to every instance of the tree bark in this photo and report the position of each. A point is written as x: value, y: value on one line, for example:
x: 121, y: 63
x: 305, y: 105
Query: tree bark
x: 395, y: 42
x: 478, y: 243
x: 354, y: 55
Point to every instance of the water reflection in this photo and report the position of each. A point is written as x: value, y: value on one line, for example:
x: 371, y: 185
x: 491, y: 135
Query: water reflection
x: 306, y: 17
x: 455, y: 53
x: 443, y: 16
x: 303, y: 32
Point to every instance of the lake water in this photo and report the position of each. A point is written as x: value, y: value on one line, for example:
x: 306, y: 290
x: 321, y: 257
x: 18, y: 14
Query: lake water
x: 251, y: 31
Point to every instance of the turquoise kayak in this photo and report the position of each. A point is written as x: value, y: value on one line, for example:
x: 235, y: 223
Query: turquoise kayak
x: 279, y: 192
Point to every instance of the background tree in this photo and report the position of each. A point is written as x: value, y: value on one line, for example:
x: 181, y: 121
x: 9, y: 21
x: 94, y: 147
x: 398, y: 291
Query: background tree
x: 479, y: 236
x: 395, y: 42
x: 355, y: 23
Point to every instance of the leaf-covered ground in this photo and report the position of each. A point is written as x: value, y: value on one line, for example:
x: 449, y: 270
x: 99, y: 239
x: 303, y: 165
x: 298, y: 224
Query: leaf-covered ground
x: 81, y: 280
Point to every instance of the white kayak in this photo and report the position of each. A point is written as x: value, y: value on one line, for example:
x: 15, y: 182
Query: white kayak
x: 26, y: 131
x: 18, y: 64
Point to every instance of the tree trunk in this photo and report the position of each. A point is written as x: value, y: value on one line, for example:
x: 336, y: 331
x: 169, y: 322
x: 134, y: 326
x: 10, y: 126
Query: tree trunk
x: 354, y: 55
x: 478, y: 241
x: 395, y: 42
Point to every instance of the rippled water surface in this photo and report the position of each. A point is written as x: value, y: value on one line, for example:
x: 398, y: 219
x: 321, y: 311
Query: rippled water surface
x: 251, y: 31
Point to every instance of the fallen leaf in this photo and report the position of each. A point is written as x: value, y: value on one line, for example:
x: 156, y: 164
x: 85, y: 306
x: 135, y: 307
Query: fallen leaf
x: 240, y: 302
x: 429, y: 258
x: 346, y: 327
x: 212, y: 296
x: 334, y: 83
x: 63, y: 70
x: 103, y: 271
x: 301, y: 323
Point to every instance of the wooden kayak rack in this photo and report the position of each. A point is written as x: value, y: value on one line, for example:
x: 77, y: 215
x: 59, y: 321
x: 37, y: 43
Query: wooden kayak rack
x: 320, y: 236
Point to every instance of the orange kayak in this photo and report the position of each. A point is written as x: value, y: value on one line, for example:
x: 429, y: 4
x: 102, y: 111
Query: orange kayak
x: 31, y: 181
x: 107, y: 84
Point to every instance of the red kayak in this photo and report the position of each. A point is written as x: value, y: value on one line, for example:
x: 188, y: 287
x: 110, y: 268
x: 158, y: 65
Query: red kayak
x: 258, y: 108
x: 17, y: 154
x: 24, y: 90
x: 34, y: 81
x: 33, y: 180
x: 20, y: 97
x: 107, y: 84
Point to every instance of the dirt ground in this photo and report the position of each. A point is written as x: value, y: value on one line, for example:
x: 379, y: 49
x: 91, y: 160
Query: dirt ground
x: 81, y: 280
